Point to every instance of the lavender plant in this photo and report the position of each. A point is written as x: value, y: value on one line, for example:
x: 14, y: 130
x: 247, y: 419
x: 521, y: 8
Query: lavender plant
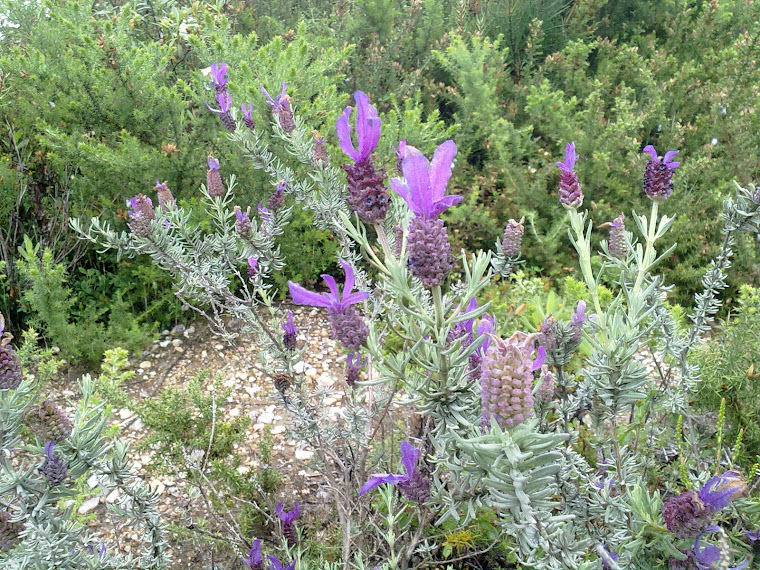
x: 490, y: 433
x: 45, y: 454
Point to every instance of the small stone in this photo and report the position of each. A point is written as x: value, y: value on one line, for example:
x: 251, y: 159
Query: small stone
x: 93, y: 481
x: 177, y: 342
x: 178, y: 330
x: 304, y: 454
x: 89, y: 505
x: 299, y: 367
x: 145, y: 364
x: 189, y: 331
x: 125, y: 414
x: 266, y: 418
x: 278, y: 430
x: 113, y: 496
x: 164, y: 343
x: 234, y: 412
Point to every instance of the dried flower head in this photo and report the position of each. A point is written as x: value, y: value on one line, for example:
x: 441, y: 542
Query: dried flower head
x: 48, y: 421
x: 686, y: 514
x: 165, y: 198
x: 141, y: 214
x: 511, y: 243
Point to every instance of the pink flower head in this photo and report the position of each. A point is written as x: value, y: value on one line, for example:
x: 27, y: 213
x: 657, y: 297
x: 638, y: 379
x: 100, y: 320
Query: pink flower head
x: 367, y: 129
x: 424, y: 184
x: 218, y: 74
x: 332, y: 300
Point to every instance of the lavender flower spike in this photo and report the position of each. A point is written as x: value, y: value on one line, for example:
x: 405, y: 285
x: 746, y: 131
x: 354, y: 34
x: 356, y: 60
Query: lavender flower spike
x: 413, y: 485
x: 658, y: 174
x: 347, y: 324
x: 289, y: 332
x: 214, y: 183
x: 570, y: 193
x: 225, y: 102
x: 281, y: 108
x: 367, y: 129
x: 253, y: 264
x: 255, y: 560
x: 354, y: 362
x: 288, y: 518
x: 277, y: 565
x: 248, y: 116
x: 425, y: 186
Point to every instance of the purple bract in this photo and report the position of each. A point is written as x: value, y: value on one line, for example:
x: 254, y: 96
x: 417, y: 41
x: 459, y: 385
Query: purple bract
x: 412, y: 484
x: 424, y: 184
x: 367, y: 129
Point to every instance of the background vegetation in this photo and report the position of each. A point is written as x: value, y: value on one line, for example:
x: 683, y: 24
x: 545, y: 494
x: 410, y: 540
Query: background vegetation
x: 98, y: 100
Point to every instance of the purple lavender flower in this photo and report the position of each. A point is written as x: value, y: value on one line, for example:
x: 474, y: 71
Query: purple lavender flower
x: 101, y: 550
x: 348, y: 326
x: 248, y: 116
x: 721, y: 490
x: 255, y: 560
x: 424, y: 190
x: 165, y: 198
x: 141, y: 213
x: 267, y: 217
x: 658, y: 174
x: 708, y: 557
x: 570, y: 193
x: 242, y: 222
x: 288, y: 518
x: 281, y: 108
x: 214, y: 183
x: 609, y: 558
x: 616, y: 244
x: 424, y: 187
x: 224, y: 101
x: 354, y: 362
x: 277, y: 565
x: 753, y: 537
x: 545, y: 392
x: 413, y: 485
x: 367, y: 195
x: 253, y: 263
x: 277, y: 199
x: 289, y: 332
x: 319, y: 154
x: 219, y: 75
x: 507, y: 379
x: 54, y: 469
x: 468, y: 332
x: 511, y: 243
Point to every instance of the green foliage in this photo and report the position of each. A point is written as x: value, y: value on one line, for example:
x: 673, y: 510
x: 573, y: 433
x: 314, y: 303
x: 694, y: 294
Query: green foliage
x: 41, y: 363
x: 81, y: 332
x: 730, y: 369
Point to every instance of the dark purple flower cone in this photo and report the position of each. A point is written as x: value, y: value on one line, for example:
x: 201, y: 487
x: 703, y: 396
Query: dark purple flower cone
x: 320, y: 156
x: 367, y: 195
x: 686, y: 515
x: 289, y: 341
x: 228, y: 122
x: 141, y: 213
x: 10, y: 368
x: 9, y: 532
x: 689, y: 564
x: 348, y: 327
x: 48, y: 421
x: 416, y: 488
x: 285, y: 116
x: 290, y: 534
x: 54, y: 469
x: 429, y: 251
x: 658, y: 180
x: 276, y: 200
x: 282, y: 381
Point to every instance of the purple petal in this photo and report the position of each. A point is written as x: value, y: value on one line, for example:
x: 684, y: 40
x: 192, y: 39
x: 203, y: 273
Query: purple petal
x: 540, y: 357
x: 415, y: 169
x: 652, y: 152
x: 400, y: 188
x: 409, y: 457
x: 720, y: 490
x: 354, y: 298
x: 669, y: 156
x: 440, y: 168
x: 367, y: 125
x: 343, y: 129
x: 302, y: 296
x: 444, y: 204
x: 579, y: 316
x: 213, y: 164
x: 275, y: 562
x: 378, y: 479
x: 266, y: 94
x: 401, y: 150
x: 349, y: 282
x: 334, y: 295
